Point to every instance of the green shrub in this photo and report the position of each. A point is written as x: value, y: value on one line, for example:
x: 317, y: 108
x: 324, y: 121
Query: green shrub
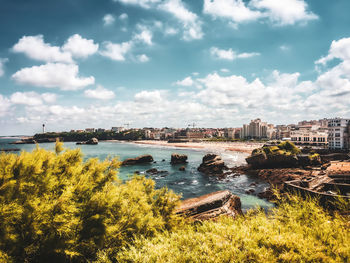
x: 296, y: 231
x: 289, y: 147
x: 56, y: 208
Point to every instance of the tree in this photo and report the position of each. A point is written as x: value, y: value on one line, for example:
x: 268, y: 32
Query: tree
x: 56, y: 208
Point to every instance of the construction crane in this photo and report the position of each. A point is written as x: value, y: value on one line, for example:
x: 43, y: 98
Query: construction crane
x: 193, y: 125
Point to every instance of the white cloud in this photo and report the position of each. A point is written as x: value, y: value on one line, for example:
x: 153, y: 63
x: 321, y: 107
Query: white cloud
x: 5, y: 106
x: 116, y: 51
x: 32, y: 98
x: 224, y: 70
x: 148, y: 96
x: 34, y: 47
x: 2, y: 64
x: 229, y: 54
x: 144, y: 36
x: 235, y: 10
x: 108, y: 19
x: 185, y: 82
x: 53, y: 75
x: 190, y: 21
x: 143, y: 58
x: 99, y: 93
x: 339, y: 49
x: 286, y: 12
x: 123, y: 16
x: 142, y: 3
x: 170, y: 31
x: 80, y: 47
x: 284, y: 48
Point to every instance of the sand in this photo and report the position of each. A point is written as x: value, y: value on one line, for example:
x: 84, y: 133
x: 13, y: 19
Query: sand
x: 244, y: 147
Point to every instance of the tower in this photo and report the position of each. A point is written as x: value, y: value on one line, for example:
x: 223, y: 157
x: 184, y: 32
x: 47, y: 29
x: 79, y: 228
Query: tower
x: 43, y: 128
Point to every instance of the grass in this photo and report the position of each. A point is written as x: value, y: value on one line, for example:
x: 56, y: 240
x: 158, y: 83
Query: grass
x: 295, y: 231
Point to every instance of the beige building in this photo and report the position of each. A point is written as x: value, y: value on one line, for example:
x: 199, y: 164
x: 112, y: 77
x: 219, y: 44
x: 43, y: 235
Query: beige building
x: 309, y: 135
x: 256, y: 129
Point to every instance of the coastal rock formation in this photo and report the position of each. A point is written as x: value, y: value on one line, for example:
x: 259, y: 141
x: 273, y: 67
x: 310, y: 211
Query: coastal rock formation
x: 212, y: 164
x: 262, y: 160
x: 334, y: 157
x: 178, y: 158
x: 92, y: 141
x: 138, y: 160
x: 211, y: 206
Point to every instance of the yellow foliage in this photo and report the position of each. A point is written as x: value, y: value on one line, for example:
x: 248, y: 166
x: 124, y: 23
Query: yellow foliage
x: 295, y: 231
x: 56, y: 208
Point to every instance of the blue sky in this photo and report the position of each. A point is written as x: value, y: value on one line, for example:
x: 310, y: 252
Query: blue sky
x: 219, y: 63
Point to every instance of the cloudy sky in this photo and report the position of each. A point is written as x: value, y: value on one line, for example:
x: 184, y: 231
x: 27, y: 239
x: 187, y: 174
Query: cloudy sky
x: 219, y: 63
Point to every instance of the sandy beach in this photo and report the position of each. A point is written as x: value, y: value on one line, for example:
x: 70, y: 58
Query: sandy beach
x: 244, y: 147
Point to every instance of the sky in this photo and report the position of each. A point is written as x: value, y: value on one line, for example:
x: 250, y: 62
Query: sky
x: 74, y: 64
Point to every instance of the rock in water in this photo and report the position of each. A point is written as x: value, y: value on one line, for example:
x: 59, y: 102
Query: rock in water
x: 138, y: 160
x: 152, y: 171
x: 182, y: 168
x: 178, y: 158
x: 211, y: 206
x: 212, y: 164
x: 92, y: 141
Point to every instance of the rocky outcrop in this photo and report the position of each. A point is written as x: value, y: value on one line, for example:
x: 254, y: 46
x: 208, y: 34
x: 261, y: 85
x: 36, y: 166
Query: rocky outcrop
x: 263, y: 160
x: 138, y: 160
x: 212, y: 164
x: 182, y: 169
x: 334, y: 157
x: 178, y: 158
x: 211, y: 206
x: 154, y: 171
x: 92, y: 141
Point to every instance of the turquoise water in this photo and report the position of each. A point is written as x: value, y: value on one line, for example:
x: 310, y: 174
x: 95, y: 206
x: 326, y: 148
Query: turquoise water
x: 189, y: 184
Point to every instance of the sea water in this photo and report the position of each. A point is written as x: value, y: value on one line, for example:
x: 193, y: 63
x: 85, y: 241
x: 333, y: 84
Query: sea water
x: 188, y: 183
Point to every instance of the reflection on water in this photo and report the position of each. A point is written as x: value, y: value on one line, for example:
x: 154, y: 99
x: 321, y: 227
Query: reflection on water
x: 188, y: 183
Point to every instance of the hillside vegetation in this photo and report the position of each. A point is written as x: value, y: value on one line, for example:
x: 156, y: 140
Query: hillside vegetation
x: 56, y: 208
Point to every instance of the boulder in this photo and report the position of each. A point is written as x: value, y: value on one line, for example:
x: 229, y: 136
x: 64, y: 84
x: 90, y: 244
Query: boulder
x: 257, y: 160
x: 178, y: 158
x: 152, y: 171
x: 182, y: 168
x: 92, y: 141
x: 275, y: 160
x: 212, y: 164
x: 138, y: 160
x: 211, y: 206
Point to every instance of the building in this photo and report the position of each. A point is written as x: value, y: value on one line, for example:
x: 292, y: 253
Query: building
x: 117, y: 129
x: 256, y: 129
x: 90, y: 130
x: 309, y: 135
x: 338, y: 133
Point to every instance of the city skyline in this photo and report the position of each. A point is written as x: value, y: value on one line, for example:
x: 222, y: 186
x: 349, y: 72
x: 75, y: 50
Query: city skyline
x: 217, y: 63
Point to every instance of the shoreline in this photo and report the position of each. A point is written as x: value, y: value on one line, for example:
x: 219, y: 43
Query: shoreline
x: 242, y: 147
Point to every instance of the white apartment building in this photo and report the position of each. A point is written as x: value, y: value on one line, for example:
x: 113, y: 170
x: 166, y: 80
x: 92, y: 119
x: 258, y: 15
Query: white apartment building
x: 256, y: 129
x: 117, y: 129
x: 311, y: 135
x: 338, y: 134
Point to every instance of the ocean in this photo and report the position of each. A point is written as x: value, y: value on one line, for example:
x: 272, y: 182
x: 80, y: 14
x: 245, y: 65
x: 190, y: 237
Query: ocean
x: 189, y: 183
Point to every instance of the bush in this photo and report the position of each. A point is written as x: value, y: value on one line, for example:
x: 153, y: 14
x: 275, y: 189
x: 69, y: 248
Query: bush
x: 289, y: 147
x: 56, y: 208
x: 296, y: 230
